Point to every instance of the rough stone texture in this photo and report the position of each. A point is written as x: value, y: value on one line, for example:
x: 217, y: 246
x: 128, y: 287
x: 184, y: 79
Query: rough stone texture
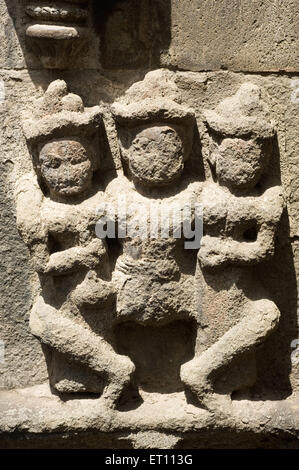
x: 145, y: 343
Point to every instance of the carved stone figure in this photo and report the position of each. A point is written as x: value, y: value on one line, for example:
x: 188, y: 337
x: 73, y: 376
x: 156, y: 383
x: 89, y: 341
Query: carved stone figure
x: 155, y: 138
x: 57, y: 32
x: 56, y: 215
x: 154, y: 274
x: 242, y: 206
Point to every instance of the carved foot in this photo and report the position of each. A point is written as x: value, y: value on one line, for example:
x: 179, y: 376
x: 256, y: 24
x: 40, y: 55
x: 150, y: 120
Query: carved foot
x: 195, y: 376
x: 118, y: 379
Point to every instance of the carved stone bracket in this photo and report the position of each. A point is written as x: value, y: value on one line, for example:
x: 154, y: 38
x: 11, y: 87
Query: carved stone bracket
x: 57, y: 31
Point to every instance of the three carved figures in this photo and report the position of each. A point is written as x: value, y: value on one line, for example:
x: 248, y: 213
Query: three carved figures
x: 89, y: 285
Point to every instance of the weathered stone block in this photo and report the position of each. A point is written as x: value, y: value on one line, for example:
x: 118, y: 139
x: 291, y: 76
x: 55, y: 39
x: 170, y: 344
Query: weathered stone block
x: 239, y: 35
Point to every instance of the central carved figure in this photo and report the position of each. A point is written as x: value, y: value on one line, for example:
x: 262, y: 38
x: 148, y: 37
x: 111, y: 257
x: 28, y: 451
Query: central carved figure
x: 155, y: 140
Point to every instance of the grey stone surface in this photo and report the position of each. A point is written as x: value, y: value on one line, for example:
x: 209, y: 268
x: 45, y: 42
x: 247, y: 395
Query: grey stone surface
x: 17, y: 274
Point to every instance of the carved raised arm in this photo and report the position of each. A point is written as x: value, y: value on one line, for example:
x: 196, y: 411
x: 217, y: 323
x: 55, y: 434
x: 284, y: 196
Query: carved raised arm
x: 266, y: 211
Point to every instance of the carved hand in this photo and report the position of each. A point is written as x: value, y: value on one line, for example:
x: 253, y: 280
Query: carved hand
x: 66, y: 261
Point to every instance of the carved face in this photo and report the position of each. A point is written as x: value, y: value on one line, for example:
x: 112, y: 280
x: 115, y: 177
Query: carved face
x: 65, y: 166
x: 156, y: 155
x: 239, y: 163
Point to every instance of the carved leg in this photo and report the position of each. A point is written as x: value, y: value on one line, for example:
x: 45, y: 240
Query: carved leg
x: 83, y: 346
x: 251, y: 331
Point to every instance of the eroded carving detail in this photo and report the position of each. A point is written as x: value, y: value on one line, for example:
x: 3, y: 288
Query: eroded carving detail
x: 155, y: 139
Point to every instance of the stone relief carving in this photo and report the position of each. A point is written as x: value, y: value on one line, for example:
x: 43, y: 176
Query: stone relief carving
x: 242, y: 207
x: 57, y: 32
x: 123, y: 332
x: 87, y: 292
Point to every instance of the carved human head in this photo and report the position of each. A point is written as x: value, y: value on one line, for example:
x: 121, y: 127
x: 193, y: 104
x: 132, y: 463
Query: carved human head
x: 66, y: 166
x: 239, y: 163
x: 64, y: 140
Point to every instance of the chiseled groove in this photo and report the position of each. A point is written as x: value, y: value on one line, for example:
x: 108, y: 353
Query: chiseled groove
x: 56, y: 13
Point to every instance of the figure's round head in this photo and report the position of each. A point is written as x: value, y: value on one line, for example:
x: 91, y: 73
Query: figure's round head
x: 66, y: 166
x: 239, y: 163
x: 156, y: 155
